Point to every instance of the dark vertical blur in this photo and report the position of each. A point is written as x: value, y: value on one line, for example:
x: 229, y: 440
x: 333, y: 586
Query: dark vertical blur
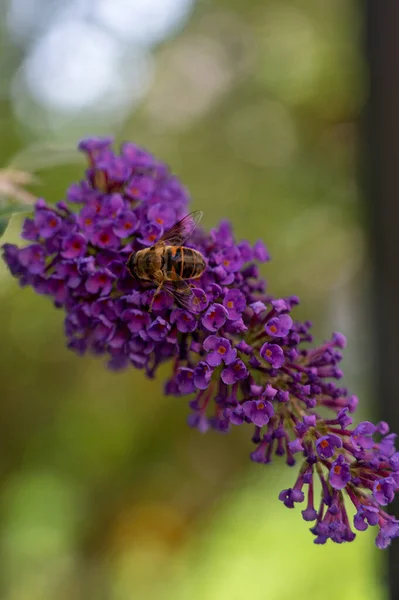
x: 382, y: 178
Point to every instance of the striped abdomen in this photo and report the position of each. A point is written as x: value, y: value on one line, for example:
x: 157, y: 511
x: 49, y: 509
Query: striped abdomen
x: 185, y: 262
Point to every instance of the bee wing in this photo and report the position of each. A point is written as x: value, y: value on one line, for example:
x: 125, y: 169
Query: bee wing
x: 177, y: 235
x: 180, y: 291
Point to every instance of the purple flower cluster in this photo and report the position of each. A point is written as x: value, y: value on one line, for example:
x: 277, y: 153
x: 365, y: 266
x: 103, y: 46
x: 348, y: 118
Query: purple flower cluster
x: 240, y: 353
x: 259, y: 373
x: 79, y: 248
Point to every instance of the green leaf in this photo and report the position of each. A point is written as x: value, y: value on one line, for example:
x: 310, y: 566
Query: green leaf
x: 3, y: 226
x: 6, y: 212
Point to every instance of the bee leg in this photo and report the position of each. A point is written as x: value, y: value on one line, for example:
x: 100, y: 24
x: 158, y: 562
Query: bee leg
x: 155, y: 295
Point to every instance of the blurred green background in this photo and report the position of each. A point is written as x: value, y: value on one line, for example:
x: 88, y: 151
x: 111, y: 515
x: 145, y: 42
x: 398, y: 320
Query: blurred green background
x: 106, y: 494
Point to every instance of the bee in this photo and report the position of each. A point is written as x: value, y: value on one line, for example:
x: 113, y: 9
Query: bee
x: 169, y: 264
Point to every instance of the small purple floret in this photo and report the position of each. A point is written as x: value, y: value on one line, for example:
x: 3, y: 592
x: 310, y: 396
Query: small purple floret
x: 327, y: 444
x: 290, y: 496
x: 384, y: 490
x: 258, y: 411
x: 273, y: 354
x: 185, y: 320
x: 100, y: 282
x: 365, y: 516
x: 362, y: 435
x: 234, y: 372
x: 219, y: 350
x: 158, y: 330
x: 339, y: 473
x: 279, y: 326
x: 234, y: 302
x: 185, y: 381
x: 202, y: 375
x: 215, y: 317
x: 74, y: 246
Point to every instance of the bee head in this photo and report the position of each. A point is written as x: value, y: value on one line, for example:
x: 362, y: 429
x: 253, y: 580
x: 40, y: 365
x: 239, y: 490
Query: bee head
x: 131, y: 265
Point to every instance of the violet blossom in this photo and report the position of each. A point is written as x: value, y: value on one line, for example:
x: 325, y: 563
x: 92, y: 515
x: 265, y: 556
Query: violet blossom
x: 240, y: 352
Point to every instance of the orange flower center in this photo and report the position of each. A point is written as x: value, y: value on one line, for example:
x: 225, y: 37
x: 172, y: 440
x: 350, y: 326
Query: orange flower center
x: 222, y: 350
